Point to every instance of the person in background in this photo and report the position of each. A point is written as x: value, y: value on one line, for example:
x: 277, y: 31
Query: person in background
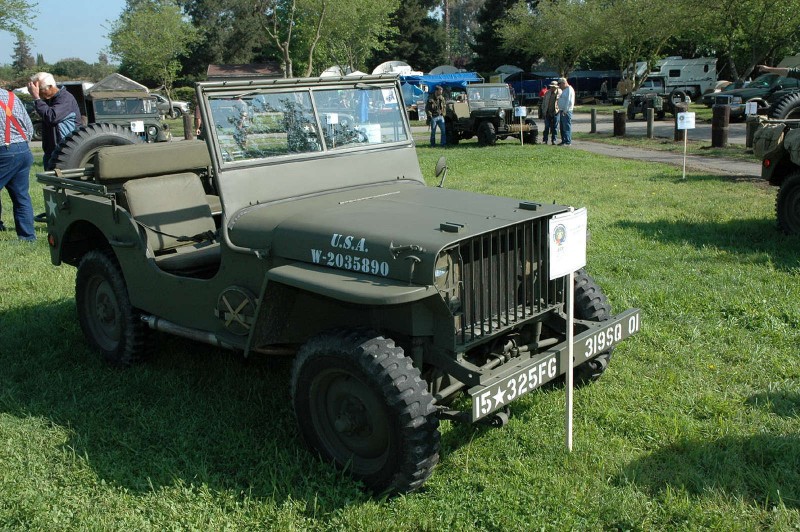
x: 566, y: 103
x: 16, y: 160
x: 59, y: 111
x: 550, y: 112
x: 604, y: 91
x: 435, y: 109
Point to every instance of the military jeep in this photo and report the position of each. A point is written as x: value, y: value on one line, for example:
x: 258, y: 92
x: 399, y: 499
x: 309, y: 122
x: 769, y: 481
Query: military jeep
x: 652, y: 95
x: 486, y: 110
x: 777, y: 144
x: 313, y: 234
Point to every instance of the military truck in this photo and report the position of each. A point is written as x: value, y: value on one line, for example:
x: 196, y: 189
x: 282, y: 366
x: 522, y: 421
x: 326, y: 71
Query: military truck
x: 313, y: 234
x: 777, y: 144
x: 652, y: 95
x: 486, y: 110
x: 114, y: 106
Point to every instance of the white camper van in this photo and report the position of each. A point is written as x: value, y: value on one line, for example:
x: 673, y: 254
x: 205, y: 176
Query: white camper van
x: 692, y: 76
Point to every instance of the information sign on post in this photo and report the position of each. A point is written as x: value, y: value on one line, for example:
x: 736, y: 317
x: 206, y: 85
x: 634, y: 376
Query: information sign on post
x: 685, y: 121
x: 520, y: 112
x: 567, y: 238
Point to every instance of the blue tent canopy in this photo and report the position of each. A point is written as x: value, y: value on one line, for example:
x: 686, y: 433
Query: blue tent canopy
x: 415, y: 86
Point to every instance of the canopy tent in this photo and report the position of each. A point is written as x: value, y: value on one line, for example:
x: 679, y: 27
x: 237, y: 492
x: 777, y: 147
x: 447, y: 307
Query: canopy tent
x: 415, y: 86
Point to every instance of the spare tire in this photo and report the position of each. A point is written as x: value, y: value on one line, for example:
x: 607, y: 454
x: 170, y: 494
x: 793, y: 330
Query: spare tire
x: 787, y: 107
x: 78, y: 149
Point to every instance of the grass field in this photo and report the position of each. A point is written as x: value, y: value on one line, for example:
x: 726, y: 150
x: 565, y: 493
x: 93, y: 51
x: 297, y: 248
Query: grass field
x: 695, y: 425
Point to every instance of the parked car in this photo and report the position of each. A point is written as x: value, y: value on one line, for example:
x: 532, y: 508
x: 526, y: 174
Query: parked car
x: 172, y: 109
x: 761, y: 89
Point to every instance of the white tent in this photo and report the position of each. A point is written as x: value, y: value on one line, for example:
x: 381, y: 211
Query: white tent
x: 395, y: 67
x: 446, y: 69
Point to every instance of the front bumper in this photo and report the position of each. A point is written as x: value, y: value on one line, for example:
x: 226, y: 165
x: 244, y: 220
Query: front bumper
x: 522, y: 377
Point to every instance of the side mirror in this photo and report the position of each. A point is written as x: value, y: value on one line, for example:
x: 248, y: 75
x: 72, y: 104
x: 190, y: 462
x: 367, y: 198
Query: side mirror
x: 441, y: 170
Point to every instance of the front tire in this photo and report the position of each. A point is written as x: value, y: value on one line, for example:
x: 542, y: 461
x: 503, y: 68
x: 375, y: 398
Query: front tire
x: 487, y: 134
x: 361, y: 403
x: 107, y: 318
x: 787, y: 205
x: 787, y: 107
x: 591, y: 304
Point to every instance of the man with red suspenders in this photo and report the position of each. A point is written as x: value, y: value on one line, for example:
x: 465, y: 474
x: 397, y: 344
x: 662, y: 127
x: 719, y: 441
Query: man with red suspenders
x: 16, y: 160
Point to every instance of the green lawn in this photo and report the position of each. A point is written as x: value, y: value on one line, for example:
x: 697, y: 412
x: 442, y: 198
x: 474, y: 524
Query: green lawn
x: 695, y: 425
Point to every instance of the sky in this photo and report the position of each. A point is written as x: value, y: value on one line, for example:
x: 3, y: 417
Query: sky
x: 66, y: 28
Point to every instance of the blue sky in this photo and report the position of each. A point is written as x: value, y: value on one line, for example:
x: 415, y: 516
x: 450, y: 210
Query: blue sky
x: 66, y: 28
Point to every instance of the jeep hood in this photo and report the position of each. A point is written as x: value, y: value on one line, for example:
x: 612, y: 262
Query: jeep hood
x: 381, y: 231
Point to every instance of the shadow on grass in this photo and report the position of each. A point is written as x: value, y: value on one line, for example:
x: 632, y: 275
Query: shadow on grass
x: 193, y: 415
x: 781, y: 402
x: 763, y: 469
x: 742, y: 237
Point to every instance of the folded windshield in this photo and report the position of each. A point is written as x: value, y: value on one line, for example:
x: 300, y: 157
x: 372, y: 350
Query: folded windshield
x: 274, y: 123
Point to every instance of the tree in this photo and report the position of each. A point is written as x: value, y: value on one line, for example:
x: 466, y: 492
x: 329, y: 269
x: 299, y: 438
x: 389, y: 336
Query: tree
x: 354, y: 30
x: 750, y: 32
x: 168, y: 36
x: 15, y: 14
x: 419, y: 39
x: 23, y: 60
x: 488, y: 54
x: 576, y: 25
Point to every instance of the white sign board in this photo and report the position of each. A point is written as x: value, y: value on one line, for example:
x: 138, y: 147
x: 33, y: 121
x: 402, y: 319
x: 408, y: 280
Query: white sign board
x: 137, y: 126
x: 520, y: 111
x: 751, y: 108
x: 567, y: 237
x: 685, y: 120
x: 389, y: 96
x: 331, y: 118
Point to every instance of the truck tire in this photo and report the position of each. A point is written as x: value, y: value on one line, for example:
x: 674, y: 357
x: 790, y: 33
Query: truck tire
x: 787, y: 107
x: 105, y: 314
x: 361, y: 403
x: 450, y: 133
x: 37, y: 131
x: 487, y: 134
x: 631, y: 111
x: 590, y: 304
x: 787, y: 205
x: 78, y: 149
x: 677, y: 96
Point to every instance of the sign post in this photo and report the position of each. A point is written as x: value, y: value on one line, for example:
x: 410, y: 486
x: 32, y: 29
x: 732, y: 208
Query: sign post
x: 521, y: 112
x: 685, y: 121
x: 567, y: 238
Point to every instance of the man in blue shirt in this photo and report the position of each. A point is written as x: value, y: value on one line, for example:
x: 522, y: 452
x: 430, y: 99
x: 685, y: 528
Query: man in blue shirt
x: 566, y: 103
x: 59, y: 111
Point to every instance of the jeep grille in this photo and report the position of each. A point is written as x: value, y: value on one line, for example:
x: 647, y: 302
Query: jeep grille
x: 504, y: 281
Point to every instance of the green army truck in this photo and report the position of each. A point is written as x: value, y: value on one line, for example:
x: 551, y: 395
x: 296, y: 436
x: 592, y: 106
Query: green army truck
x: 777, y: 144
x: 486, y: 110
x: 302, y: 226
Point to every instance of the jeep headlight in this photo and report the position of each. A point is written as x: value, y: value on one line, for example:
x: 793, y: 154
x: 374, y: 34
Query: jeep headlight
x: 447, y: 278
x: 152, y: 131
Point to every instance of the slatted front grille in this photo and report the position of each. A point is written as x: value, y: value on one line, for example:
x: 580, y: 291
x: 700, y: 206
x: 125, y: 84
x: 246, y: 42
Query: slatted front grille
x: 504, y: 280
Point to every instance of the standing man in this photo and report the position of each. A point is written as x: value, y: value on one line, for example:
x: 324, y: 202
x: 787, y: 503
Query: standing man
x: 566, y: 103
x: 59, y: 111
x: 550, y: 112
x: 16, y: 160
x: 435, y: 109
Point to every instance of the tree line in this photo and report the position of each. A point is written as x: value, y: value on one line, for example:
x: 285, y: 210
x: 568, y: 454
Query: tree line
x: 163, y: 42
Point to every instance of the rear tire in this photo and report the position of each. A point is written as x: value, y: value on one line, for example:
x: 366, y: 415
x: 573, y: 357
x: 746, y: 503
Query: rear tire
x: 109, y: 322
x: 591, y: 304
x: 362, y: 404
x: 79, y: 148
x: 787, y: 205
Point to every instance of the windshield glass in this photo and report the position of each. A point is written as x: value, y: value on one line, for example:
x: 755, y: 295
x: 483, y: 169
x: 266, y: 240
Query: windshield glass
x: 125, y: 106
x: 479, y: 93
x: 261, y: 125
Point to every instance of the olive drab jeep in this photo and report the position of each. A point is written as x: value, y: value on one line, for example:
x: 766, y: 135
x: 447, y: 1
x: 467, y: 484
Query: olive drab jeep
x: 486, y: 110
x: 302, y: 225
x: 777, y: 144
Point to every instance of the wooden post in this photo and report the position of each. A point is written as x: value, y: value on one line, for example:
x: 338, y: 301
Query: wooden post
x: 188, y: 126
x: 719, y: 126
x: 594, y: 121
x: 650, y: 114
x: 752, y: 126
x: 619, y: 122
